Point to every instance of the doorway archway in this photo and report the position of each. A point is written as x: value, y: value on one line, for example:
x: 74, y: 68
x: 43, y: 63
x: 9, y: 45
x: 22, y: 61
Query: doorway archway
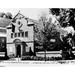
x: 18, y: 50
x: 20, y: 47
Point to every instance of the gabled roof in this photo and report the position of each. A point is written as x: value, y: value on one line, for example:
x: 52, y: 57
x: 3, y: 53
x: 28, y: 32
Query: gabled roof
x: 20, y: 15
x: 4, y: 22
x: 28, y: 19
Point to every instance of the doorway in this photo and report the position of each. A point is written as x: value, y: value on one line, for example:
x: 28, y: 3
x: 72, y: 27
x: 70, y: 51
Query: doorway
x: 18, y: 51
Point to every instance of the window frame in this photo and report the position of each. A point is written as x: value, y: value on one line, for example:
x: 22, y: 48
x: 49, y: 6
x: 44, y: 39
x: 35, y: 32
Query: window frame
x: 15, y: 34
x: 26, y: 33
x: 22, y: 34
x: 18, y: 34
x: 11, y: 35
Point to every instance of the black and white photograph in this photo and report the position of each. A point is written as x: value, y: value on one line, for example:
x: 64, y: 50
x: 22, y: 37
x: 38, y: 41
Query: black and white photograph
x: 37, y: 35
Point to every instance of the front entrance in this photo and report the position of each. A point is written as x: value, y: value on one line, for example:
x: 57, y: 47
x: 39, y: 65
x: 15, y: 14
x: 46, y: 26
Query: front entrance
x: 20, y: 47
x: 18, y: 51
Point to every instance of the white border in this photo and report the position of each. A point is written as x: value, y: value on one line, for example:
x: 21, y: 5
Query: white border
x: 66, y: 69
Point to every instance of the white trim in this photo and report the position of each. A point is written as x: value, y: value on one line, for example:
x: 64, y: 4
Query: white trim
x: 3, y: 35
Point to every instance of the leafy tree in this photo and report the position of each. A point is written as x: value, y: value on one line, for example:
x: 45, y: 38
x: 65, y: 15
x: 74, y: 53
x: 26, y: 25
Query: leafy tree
x: 66, y: 16
x: 2, y: 14
x: 46, y: 31
x: 7, y: 15
x: 39, y: 28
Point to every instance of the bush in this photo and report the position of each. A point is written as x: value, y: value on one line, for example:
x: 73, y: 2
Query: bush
x: 11, y: 56
x: 40, y: 58
x: 67, y: 55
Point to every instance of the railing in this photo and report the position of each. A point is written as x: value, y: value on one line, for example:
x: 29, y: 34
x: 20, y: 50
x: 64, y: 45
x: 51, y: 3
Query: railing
x: 51, y: 53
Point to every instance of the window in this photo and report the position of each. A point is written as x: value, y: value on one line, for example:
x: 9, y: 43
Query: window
x: 11, y: 35
x: 26, y: 34
x: 22, y: 34
x: 15, y: 34
x: 14, y: 20
x: 13, y: 28
x: 18, y: 34
x: 19, y: 22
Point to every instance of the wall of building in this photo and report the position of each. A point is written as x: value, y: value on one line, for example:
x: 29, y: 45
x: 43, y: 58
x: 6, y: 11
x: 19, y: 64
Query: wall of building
x: 11, y: 49
x: 22, y: 27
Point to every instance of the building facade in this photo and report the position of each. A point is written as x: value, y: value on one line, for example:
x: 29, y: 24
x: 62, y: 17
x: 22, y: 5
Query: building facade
x: 20, y: 36
x: 4, y: 22
x: 2, y: 42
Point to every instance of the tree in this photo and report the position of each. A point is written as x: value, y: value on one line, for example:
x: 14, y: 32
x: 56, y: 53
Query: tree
x: 39, y: 28
x: 8, y: 15
x: 66, y: 16
x: 72, y: 17
x: 2, y: 14
x: 48, y: 32
x: 50, y: 28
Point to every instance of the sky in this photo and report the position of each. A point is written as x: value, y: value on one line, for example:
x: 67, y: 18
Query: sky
x: 32, y: 13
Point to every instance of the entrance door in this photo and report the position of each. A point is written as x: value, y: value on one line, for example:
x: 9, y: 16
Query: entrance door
x: 18, y: 51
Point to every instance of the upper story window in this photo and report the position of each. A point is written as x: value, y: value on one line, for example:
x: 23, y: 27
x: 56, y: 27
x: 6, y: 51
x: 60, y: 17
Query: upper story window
x: 26, y: 34
x: 15, y: 34
x: 19, y: 22
x: 11, y: 35
x: 22, y: 34
x: 13, y: 28
x: 18, y: 34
